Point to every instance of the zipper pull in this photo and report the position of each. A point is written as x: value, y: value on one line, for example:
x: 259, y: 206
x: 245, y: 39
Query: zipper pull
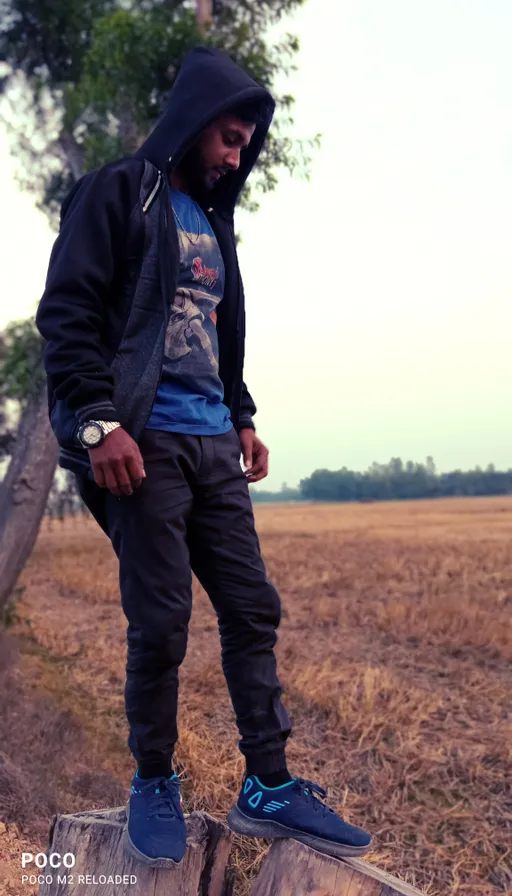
x: 153, y: 193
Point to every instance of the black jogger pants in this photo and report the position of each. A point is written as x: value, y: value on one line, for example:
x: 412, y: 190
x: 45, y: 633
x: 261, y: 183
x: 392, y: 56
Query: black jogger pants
x: 193, y: 512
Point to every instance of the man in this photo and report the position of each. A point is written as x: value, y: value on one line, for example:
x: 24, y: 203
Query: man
x: 143, y: 317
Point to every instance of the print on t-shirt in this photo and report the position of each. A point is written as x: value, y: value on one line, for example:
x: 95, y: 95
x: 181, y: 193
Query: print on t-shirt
x: 186, y: 324
x: 191, y: 306
x: 189, y: 398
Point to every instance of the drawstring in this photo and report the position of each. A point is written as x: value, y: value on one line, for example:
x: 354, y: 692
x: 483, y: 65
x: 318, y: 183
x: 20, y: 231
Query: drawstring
x: 163, y: 246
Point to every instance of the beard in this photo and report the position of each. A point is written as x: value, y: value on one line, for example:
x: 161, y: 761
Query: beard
x: 193, y: 170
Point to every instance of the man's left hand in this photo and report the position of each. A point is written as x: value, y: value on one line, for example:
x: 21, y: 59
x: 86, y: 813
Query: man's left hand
x: 255, y: 455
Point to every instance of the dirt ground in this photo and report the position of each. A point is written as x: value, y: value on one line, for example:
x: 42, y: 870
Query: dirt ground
x: 394, y: 653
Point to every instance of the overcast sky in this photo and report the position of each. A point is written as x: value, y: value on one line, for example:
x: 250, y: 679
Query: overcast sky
x: 379, y: 312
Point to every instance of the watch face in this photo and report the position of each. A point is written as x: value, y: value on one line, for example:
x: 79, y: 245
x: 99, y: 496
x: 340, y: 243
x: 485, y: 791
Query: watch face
x: 91, y: 434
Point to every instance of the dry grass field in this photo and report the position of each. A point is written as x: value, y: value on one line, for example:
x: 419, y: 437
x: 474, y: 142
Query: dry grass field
x: 394, y: 653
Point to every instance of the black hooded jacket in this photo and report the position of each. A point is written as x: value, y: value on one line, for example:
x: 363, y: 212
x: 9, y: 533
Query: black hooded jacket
x: 113, y: 270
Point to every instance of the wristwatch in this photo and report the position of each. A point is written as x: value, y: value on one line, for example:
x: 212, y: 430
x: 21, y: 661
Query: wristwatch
x: 92, y: 433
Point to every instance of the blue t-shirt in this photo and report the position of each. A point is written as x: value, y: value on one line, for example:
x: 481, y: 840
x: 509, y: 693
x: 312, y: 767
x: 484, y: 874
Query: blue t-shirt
x: 190, y: 394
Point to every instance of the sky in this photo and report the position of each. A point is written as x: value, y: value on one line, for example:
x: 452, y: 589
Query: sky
x: 378, y: 293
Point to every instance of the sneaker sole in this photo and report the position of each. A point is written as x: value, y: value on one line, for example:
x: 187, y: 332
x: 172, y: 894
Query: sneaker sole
x: 251, y: 827
x: 131, y: 850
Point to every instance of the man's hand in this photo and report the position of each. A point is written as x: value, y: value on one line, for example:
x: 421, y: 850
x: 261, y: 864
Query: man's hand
x: 117, y: 463
x: 255, y: 455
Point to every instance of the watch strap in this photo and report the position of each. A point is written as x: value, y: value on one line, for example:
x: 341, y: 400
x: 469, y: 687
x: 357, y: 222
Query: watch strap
x: 107, y: 425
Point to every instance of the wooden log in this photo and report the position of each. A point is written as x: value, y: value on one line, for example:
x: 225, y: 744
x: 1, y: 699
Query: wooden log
x: 292, y: 869
x: 94, y: 839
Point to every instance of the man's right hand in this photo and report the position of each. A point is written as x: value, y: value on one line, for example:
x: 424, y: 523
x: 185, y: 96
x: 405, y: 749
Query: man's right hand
x: 117, y: 463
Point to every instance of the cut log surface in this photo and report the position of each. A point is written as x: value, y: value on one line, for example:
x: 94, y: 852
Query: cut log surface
x: 292, y: 869
x: 102, y: 868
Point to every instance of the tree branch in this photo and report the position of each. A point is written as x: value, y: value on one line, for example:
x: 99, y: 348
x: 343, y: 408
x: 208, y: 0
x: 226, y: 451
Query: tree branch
x: 73, y: 153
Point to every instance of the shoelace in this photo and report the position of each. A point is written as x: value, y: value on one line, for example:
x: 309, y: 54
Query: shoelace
x: 165, y: 798
x: 308, y: 789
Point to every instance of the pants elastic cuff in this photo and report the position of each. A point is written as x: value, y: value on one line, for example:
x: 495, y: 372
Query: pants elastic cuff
x: 155, y: 769
x: 266, y: 763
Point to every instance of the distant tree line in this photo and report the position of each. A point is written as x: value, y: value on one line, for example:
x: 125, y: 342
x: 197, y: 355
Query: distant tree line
x: 394, y: 481
x: 285, y: 494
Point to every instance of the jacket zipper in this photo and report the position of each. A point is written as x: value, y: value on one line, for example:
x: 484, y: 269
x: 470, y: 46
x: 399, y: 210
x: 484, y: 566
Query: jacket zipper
x: 233, y: 240
x: 166, y: 221
x: 153, y: 193
x: 145, y: 209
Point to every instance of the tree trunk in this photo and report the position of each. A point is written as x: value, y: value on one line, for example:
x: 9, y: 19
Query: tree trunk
x: 92, y: 843
x: 24, y: 491
x: 94, y: 839
x: 291, y: 869
x: 74, y: 154
x: 204, y: 12
x: 25, y: 488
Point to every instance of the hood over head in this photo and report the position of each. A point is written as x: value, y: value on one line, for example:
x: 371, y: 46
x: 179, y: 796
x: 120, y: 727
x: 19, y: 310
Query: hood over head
x: 209, y: 83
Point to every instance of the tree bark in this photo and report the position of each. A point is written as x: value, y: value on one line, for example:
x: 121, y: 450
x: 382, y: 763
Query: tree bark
x: 25, y: 488
x: 94, y: 839
x: 24, y: 491
x: 92, y: 843
x: 73, y: 152
x: 204, y: 12
x: 291, y: 869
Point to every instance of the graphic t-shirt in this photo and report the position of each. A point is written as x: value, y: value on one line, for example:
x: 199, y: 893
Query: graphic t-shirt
x: 190, y: 394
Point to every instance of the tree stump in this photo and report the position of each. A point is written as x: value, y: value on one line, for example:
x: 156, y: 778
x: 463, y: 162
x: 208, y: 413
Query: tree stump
x: 292, y: 869
x: 102, y: 868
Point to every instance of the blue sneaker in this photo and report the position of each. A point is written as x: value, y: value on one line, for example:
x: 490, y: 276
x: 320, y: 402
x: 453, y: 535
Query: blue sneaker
x: 155, y: 832
x: 294, y: 811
